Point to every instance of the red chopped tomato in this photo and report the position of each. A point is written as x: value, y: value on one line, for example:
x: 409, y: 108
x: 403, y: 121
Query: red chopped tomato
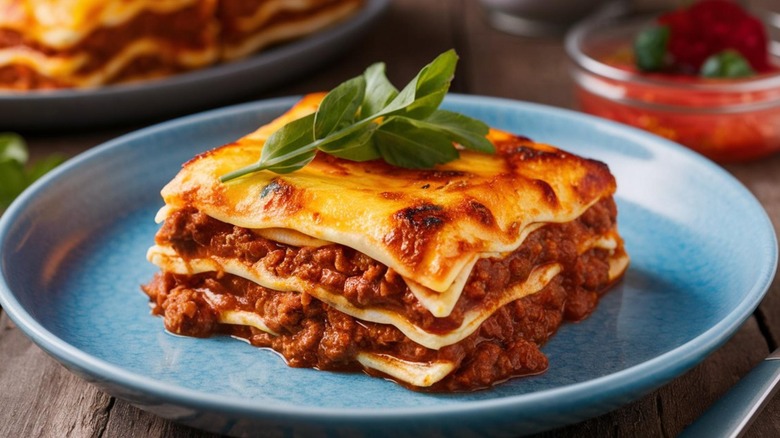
x: 710, y: 27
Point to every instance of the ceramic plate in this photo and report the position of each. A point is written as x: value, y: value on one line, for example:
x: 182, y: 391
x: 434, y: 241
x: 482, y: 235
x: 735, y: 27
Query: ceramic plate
x: 73, y: 257
x: 186, y: 92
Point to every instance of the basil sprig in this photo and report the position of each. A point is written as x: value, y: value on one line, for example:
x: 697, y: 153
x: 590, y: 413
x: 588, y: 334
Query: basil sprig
x: 367, y: 118
x: 15, y: 175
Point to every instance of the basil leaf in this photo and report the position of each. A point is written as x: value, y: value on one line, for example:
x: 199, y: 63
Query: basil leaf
x: 339, y: 107
x: 468, y: 132
x: 13, y: 147
x: 405, y: 145
x: 288, y: 149
x: 420, y: 97
x: 432, y: 85
x: 358, y: 145
x: 726, y: 64
x: 650, y: 48
x: 12, y: 181
x: 286, y: 142
x: 380, y: 90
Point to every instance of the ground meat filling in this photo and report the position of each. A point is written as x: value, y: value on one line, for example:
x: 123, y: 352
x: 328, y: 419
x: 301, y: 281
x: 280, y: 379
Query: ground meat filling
x: 310, y: 333
x: 367, y: 283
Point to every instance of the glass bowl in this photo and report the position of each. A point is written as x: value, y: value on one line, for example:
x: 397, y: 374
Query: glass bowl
x: 727, y: 120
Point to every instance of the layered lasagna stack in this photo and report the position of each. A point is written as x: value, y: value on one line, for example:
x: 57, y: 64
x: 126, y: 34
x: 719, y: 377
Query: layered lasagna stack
x: 447, y: 279
x: 87, y: 43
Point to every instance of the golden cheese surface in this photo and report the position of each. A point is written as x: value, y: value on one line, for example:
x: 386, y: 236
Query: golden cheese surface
x: 428, y: 225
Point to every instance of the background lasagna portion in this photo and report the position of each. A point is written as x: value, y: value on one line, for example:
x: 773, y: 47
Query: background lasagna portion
x: 48, y: 44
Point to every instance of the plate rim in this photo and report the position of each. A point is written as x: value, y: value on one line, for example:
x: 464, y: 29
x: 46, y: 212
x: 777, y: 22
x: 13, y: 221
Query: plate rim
x: 681, y: 358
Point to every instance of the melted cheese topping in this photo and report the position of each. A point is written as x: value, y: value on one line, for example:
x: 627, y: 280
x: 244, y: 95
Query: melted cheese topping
x: 427, y: 225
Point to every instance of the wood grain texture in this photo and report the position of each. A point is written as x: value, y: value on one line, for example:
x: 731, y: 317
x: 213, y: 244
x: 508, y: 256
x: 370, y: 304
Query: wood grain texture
x: 40, y: 398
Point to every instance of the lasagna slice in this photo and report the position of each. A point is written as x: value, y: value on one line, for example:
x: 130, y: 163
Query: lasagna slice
x: 447, y: 279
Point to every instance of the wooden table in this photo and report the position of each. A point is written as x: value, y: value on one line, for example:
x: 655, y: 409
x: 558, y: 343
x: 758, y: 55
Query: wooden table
x: 38, y: 397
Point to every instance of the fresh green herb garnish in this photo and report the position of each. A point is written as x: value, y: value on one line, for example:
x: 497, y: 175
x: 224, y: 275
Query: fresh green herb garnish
x: 726, y: 64
x: 650, y: 48
x: 367, y: 118
x: 15, y: 176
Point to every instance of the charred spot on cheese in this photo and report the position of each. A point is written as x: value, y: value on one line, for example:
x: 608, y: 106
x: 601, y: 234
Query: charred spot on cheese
x: 548, y: 194
x: 272, y: 187
x: 414, y: 227
x: 281, y: 195
x: 439, y: 175
x: 477, y: 210
x: 592, y: 181
x: 526, y: 153
x: 421, y: 217
x: 506, y: 144
x: 446, y: 279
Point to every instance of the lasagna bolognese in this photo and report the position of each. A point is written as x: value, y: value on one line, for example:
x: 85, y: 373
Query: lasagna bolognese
x: 447, y: 279
x: 48, y: 44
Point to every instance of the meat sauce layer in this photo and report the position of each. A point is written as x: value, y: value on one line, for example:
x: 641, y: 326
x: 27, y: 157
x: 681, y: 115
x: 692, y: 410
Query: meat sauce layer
x: 368, y: 283
x: 313, y: 334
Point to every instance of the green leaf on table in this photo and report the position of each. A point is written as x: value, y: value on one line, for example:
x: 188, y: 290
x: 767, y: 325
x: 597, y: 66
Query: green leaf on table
x: 650, y: 48
x: 14, y: 176
x: 726, y: 64
x: 367, y: 118
x: 13, y: 147
x: 12, y: 181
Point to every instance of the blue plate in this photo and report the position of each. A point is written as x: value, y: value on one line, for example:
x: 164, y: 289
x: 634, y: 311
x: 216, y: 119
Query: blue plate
x: 185, y: 92
x: 73, y: 257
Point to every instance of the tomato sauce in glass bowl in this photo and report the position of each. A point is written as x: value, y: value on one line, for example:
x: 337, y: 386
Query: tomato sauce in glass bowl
x: 726, y: 120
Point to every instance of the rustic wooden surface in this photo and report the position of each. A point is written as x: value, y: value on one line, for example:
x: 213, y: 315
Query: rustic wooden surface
x: 38, y: 397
